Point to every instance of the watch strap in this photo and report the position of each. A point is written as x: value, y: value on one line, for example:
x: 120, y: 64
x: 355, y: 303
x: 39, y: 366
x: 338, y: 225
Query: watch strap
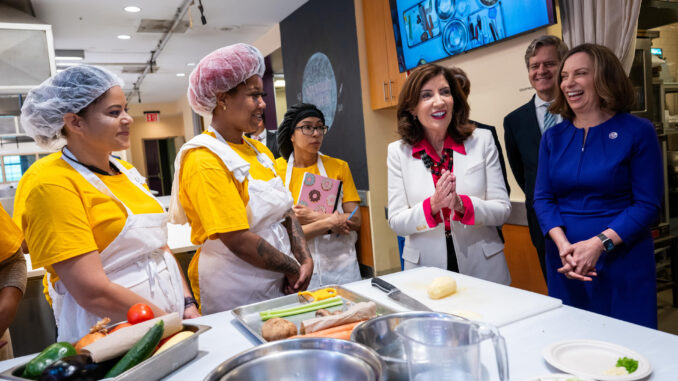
x: 190, y: 300
x: 608, y: 245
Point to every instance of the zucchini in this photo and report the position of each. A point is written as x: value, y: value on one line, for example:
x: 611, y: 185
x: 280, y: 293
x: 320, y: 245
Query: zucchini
x: 48, y: 355
x: 140, y: 351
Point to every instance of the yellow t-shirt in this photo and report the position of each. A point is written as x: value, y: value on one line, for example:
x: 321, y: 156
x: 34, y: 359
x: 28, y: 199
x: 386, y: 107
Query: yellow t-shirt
x: 214, y: 201
x: 336, y: 169
x: 62, y: 215
x: 10, y: 236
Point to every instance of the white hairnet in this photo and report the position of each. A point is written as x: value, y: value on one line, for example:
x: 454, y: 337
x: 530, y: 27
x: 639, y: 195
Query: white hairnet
x: 70, y: 91
x: 220, y: 71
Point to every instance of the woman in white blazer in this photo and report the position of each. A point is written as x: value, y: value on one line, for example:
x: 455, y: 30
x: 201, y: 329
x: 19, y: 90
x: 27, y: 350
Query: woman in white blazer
x: 446, y: 193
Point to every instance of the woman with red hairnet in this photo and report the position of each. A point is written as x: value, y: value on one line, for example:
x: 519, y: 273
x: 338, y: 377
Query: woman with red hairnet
x: 226, y: 187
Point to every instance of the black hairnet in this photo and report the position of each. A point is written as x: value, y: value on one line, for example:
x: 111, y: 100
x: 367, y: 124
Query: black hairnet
x: 294, y: 115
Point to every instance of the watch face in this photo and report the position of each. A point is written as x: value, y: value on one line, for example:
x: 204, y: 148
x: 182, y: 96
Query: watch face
x: 608, y: 244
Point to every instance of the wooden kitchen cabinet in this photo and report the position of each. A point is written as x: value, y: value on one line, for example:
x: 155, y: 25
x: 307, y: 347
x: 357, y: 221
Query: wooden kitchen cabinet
x: 385, y: 79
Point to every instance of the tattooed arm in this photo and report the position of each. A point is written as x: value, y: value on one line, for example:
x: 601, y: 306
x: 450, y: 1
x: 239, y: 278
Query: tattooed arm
x: 253, y: 249
x: 300, y: 251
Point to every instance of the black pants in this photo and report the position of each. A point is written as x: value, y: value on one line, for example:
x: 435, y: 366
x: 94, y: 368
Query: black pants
x: 452, y: 264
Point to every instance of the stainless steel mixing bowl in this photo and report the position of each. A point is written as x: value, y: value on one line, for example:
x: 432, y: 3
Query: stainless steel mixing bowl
x: 302, y: 359
x: 379, y: 334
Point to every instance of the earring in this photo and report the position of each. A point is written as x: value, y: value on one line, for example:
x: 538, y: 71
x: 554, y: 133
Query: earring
x: 223, y: 107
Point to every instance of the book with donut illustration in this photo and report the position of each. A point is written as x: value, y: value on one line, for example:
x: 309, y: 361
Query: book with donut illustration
x: 319, y: 193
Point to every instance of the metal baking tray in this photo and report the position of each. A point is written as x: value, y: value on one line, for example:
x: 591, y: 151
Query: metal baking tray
x: 153, y: 368
x: 249, y: 317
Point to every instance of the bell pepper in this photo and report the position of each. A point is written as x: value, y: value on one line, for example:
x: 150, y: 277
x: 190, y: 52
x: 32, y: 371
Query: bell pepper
x: 49, y: 355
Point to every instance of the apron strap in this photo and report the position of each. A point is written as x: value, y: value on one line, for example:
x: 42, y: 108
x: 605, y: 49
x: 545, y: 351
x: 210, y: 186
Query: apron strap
x: 290, y: 165
x: 93, y: 179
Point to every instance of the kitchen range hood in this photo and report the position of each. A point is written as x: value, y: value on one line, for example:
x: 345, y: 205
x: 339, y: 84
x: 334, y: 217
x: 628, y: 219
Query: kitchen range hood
x: 26, y: 51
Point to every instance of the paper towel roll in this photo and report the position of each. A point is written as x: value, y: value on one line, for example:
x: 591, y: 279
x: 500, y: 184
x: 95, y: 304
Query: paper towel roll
x: 119, y: 342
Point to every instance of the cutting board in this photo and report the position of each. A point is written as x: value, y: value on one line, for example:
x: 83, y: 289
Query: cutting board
x: 475, y: 298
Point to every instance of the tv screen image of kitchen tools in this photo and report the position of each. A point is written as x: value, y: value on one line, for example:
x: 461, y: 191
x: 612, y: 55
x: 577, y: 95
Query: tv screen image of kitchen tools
x: 430, y: 30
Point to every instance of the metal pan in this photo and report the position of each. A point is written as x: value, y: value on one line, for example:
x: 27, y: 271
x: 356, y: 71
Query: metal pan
x: 302, y: 360
x: 249, y: 317
x: 151, y: 369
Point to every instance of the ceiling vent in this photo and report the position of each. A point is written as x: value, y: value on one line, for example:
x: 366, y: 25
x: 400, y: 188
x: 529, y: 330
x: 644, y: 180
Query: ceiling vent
x: 161, y: 26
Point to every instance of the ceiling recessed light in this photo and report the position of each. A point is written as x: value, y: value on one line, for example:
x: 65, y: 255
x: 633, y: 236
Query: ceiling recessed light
x: 124, y: 36
x: 181, y: 74
x: 190, y: 64
x: 132, y: 9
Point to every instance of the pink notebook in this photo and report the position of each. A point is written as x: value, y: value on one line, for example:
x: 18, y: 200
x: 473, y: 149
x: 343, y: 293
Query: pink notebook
x: 319, y: 193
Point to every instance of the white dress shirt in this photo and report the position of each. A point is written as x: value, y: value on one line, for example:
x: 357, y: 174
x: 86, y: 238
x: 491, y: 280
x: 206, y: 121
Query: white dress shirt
x: 541, y: 106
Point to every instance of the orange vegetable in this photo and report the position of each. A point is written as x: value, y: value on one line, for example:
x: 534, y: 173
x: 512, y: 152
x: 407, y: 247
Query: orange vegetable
x: 121, y: 325
x: 338, y: 332
x: 97, y: 332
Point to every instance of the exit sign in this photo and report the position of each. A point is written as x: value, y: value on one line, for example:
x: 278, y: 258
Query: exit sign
x: 152, y: 116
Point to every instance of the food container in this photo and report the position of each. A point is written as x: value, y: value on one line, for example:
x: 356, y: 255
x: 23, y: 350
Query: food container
x: 249, y: 317
x: 302, y: 359
x: 153, y: 368
x: 379, y: 334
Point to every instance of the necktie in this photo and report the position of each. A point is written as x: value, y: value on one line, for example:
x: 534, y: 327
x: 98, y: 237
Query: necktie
x: 549, y: 119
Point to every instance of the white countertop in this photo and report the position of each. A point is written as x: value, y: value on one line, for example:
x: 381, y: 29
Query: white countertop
x: 525, y: 340
x: 178, y: 240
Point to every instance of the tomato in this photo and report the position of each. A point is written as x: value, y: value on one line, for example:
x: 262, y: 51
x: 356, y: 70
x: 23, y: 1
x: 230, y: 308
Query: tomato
x: 139, y: 313
x: 121, y: 325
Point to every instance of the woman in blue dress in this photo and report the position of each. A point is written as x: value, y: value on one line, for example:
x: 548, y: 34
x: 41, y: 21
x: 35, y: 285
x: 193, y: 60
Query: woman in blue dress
x: 599, y: 189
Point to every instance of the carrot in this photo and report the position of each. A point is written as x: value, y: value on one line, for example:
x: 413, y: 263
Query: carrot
x: 338, y: 332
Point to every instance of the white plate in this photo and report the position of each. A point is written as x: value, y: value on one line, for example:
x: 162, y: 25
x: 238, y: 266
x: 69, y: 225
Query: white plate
x: 591, y: 358
x: 558, y: 377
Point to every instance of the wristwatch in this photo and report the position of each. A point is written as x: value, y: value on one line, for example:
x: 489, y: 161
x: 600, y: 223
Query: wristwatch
x: 608, y: 245
x: 190, y: 300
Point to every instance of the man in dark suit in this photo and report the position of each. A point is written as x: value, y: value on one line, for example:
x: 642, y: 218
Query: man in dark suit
x: 524, y: 126
x: 268, y: 138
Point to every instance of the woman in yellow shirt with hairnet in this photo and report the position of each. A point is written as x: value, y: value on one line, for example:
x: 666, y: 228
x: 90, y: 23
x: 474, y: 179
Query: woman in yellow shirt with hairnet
x: 225, y: 186
x: 87, y: 217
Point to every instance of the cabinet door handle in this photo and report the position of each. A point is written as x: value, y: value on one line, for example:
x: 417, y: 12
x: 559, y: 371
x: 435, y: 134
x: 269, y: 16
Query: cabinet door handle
x: 383, y: 89
x: 390, y: 89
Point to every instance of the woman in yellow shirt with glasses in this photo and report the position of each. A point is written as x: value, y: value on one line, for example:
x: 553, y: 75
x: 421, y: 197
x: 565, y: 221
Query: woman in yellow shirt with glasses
x: 331, y: 234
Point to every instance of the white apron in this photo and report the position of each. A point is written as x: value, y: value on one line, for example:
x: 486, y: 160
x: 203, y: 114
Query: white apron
x: 334, y: 257
x: 225, y: 280
x: 135, y: 259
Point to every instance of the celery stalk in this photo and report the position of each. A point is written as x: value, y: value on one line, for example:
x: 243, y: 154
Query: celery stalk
x: 330, y: 302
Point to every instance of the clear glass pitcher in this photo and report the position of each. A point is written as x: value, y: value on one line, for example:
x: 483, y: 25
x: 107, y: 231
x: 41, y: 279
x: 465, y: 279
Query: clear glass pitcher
x: 449, y: 349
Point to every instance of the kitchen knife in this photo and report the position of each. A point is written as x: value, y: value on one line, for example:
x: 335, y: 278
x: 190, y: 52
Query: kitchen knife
x: 394, y: 293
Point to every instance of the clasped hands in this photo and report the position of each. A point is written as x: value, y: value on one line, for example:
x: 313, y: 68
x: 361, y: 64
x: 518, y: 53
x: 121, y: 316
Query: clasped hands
x: 579, y: 259
x: 445, y: 195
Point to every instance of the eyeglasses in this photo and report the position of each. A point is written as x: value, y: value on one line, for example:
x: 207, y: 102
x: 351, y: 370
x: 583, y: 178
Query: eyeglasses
x: 309, y: 130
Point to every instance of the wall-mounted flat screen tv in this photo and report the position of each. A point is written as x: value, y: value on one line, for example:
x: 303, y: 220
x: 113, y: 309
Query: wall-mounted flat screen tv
x: 430, y: 30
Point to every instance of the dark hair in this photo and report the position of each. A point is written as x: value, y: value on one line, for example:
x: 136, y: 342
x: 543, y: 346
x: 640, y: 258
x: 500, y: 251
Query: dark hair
x: 463, y: 80
x: 294, y: 115
x: 613, y: 86
x: 545, y: 40
x: 409, y: 129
